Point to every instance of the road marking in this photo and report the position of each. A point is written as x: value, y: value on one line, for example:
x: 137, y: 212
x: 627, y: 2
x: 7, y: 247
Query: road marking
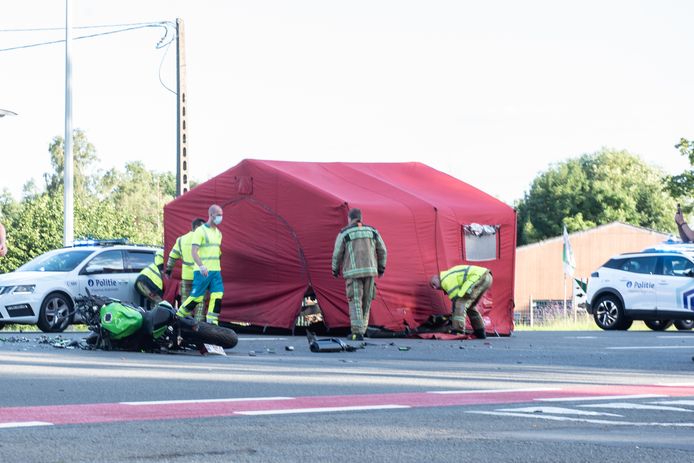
x: 321, y: 410
x: 235, y: 406
x: 585, y: 420
x: 262, y: 339
x: 676, y: 384
x: 675, y: 402
x: 633, y: 406
x: 602, y: 397
x: 648, y: 347
x: 24, y: 424
x: 497, y: 391
x: 556, y: 411
x: 202, y: 401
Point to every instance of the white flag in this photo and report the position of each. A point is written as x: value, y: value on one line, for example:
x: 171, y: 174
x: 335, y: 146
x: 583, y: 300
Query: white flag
x: 568, y: 256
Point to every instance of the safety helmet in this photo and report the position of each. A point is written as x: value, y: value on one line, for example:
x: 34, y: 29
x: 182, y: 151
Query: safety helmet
x: 159, y: 257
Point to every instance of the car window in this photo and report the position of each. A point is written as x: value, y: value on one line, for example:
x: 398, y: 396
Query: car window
x: 137, y: 260
x: 676, y: 266
x: 615, y: 263
x: 55, y: 262
x: 106, y: 262
x: 644, y: 264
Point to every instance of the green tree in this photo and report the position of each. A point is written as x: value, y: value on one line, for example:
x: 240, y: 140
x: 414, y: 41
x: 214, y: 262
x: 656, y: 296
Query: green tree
x: 116, y: 204
x: 84, y: 157
x: 592, y: 190
x: 682, y: 186
x: 140, y: 195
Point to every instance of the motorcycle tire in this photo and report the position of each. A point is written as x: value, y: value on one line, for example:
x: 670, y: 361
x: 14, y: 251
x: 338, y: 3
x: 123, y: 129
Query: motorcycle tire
x: 213, y: 334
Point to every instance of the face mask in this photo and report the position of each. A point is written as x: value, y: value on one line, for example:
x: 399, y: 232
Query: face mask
x: 217, y: 219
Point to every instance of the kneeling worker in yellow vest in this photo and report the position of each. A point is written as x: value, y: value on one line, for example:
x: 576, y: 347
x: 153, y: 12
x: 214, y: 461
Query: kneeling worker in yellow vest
x: 149, y: 282
x: 182, y: 250
x: 465, y: 285
x: 206, y: 249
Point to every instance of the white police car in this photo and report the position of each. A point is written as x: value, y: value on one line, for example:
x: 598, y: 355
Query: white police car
x: 43, y: 290
x: 655, y: 285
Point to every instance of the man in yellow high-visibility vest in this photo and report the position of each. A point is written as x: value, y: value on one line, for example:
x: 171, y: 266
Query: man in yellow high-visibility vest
x: 464, y: 285
x: 149, y: 283
x: 206, y: 250
x: 182, y: 250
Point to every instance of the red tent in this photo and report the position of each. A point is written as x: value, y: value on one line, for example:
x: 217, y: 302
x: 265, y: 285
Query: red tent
x: 280, y: 223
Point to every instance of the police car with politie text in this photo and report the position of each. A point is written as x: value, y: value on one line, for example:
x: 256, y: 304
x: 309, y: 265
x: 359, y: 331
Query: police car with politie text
x: 43, y: 290
x: 655, y: 285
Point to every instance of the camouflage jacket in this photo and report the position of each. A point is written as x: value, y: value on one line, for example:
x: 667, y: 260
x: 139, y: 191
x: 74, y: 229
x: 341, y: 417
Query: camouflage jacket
x: 359, y: 252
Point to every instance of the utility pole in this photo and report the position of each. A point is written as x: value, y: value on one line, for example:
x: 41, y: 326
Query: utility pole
x: 182, y: 186
x: 68, y: 196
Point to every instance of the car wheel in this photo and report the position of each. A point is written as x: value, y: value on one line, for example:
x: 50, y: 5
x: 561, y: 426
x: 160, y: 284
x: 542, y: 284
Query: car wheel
x: 609, y: 313
x: 684, y: 325
x: 626, y: 324
x: 658, y: 325
x: 55, y: 314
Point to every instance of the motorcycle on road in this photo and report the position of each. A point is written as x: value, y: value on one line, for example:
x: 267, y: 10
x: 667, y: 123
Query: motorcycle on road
x: 121, y: 326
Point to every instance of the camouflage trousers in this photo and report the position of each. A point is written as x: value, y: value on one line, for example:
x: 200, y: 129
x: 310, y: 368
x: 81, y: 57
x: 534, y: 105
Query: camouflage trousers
x: 468, y: 304
x: 360, y: 293
x: 184, y: 291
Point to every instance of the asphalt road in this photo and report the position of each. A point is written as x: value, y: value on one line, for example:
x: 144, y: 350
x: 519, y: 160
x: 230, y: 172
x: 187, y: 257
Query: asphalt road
x: 534, y: 396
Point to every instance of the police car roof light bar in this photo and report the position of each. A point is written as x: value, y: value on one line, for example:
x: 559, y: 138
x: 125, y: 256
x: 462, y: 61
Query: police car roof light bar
x: 93, y: 242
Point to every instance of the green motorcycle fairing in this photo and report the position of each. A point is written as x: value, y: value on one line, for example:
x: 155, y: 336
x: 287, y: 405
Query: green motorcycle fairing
x: 120, y: 320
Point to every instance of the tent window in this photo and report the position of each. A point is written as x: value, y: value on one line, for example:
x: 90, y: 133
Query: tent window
x: 480, y: 242
x: 245, y: 185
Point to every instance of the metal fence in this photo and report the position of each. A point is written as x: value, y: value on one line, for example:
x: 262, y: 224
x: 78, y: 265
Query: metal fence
x: 549, y: 311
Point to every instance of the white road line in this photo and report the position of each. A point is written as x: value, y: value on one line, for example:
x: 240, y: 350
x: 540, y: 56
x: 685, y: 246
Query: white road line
x: 24, y: 424
x: 556, y: 411
x: 586, y: 420
x: 648, y: 347
x: 201, y: 401
x: 262, y: 339
x: 675, y: 384
x: 675, y: 402
x: 603, y: 397
x: 495, y: 391
x: 633, y: 406
x: 321, y: 410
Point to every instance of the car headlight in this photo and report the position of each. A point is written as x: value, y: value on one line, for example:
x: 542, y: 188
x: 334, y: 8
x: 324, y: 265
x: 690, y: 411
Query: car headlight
x: 19, y: 289
x: 24, y: 289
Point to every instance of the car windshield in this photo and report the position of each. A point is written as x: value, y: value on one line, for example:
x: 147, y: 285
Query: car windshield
x: 55, y: 262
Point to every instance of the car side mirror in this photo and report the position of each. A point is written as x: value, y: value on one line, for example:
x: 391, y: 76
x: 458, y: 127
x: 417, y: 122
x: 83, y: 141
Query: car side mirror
x: 91, y: 269
x: 690, y: 273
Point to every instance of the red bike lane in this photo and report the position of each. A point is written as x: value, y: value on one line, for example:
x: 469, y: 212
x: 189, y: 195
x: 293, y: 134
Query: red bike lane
x: 46, y: 415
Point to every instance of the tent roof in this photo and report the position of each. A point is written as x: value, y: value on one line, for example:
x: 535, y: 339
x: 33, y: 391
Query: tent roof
x: 366, y: 183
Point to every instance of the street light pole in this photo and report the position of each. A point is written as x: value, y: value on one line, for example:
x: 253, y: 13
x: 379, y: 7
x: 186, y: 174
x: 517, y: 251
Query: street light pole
x: 68, y: 199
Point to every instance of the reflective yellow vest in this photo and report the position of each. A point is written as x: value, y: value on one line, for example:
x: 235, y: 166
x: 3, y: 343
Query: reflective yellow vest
x: 152, y: 273
x: 209, y: 241
x: 456, y: 281
x: 183, y: 250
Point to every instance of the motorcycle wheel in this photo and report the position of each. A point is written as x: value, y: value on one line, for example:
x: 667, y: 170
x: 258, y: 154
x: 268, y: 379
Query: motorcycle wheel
x: 213, y: 334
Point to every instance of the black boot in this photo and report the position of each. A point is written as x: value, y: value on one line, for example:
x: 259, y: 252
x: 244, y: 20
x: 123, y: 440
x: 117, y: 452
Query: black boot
x: 480, y: 334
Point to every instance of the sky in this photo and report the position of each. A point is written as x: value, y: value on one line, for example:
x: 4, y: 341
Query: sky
x: 492, y: 93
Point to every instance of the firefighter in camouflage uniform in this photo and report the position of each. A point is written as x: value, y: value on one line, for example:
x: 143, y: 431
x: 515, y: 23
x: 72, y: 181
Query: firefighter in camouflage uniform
x: 361, y: 255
